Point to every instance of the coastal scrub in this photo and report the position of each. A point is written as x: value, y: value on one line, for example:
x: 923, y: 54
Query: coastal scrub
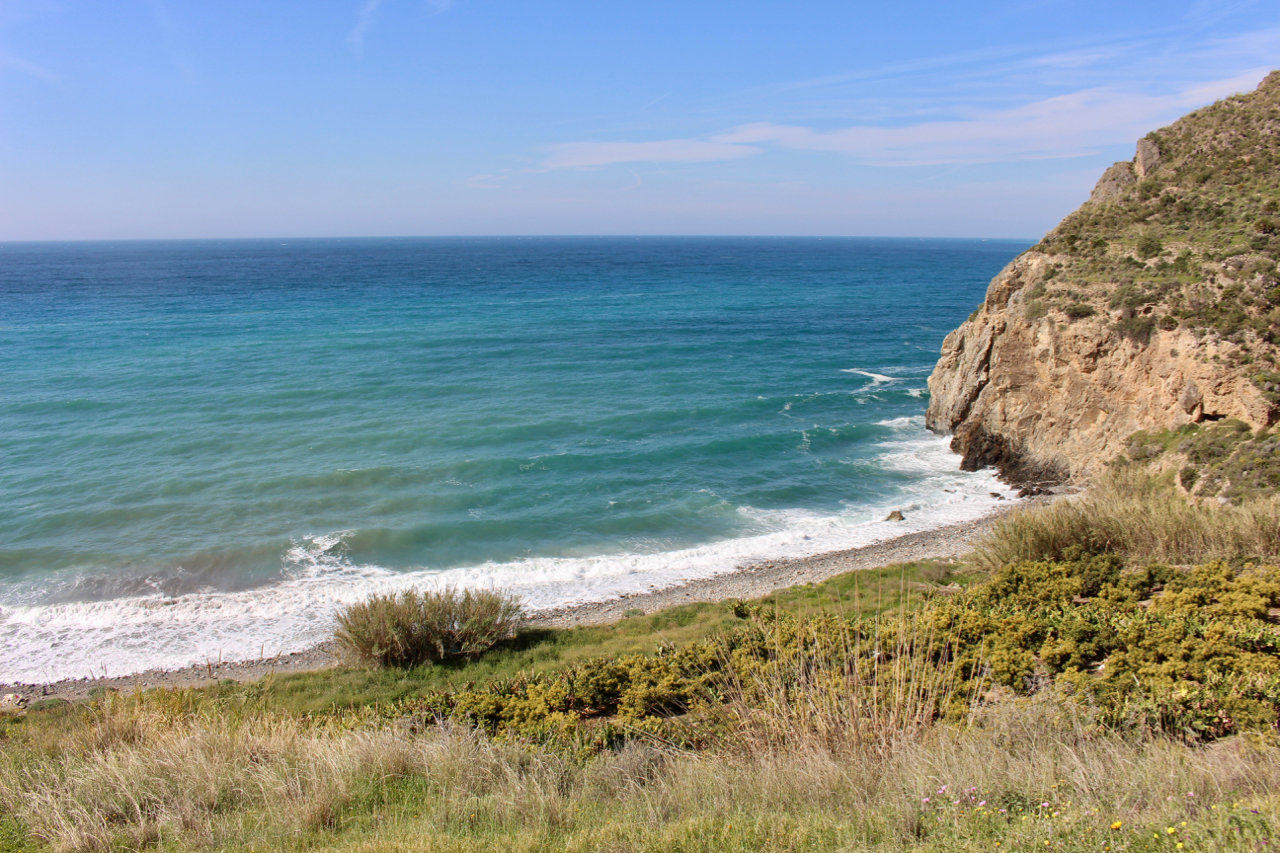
x: 412, y: 627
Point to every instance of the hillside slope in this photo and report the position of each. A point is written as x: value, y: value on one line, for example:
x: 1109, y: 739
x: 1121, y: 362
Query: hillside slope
x: 1155, y: 304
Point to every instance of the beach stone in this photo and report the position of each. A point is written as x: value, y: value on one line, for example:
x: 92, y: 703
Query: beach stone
x: 896, y: 515
x: 12, y: 702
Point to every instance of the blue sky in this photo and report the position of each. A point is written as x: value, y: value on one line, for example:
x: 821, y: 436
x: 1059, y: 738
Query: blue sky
x: 169, y: 118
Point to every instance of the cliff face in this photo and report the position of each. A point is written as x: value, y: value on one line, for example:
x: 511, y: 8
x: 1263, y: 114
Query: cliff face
x: 1155, y: 304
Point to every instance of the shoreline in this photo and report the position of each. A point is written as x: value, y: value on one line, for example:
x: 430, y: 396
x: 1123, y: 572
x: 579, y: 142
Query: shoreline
x: 746, y: 581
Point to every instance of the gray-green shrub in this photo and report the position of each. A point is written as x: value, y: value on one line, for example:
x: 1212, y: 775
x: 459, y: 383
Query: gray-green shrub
x: 411, y: 628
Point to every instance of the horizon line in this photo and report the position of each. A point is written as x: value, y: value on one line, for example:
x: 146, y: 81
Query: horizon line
x: 54, y: 240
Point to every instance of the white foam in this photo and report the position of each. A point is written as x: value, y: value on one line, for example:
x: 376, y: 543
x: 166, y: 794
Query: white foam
x: 876, y: 378
x: 123, y: 636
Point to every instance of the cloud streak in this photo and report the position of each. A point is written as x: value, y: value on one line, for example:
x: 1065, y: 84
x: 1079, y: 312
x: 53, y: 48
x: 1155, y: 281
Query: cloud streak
x: 364, y: 21
x: 577, y: 155
x: 368, y: 14
x: 16, y: 63
x: 1068, y: 125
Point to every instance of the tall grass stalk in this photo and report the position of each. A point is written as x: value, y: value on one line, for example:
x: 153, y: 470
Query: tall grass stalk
x: 841, y: 686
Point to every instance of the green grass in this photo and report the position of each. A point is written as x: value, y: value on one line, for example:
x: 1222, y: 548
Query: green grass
x: 13, y: 836
x: 534, y: 650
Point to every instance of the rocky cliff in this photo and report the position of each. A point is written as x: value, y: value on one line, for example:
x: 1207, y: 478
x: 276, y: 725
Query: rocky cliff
x: 1156, y: 304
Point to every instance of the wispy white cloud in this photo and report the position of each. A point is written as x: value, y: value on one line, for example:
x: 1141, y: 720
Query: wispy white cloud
x: 1066, y: 125
x: 1061, y: 126
x: 368, y: 14
x: 16, y: 63
x: 585, y: 154
x: 954, y: 85
x: 1205, y: 12
x: 364, y: 20
x: 488, y: 182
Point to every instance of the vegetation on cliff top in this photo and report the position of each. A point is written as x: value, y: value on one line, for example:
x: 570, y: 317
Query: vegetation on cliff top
x: 1188, y: 236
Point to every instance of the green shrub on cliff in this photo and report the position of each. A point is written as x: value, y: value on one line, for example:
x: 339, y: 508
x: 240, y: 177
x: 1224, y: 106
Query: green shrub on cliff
x: 1193, y: 244
x: 1226, y: 459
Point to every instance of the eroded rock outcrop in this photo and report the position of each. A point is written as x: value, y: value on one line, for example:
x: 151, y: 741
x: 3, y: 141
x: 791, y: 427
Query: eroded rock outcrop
x: 1156, y: 304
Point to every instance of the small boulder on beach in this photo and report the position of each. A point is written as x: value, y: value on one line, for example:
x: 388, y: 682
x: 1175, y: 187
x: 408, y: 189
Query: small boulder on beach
x: 896, y: 515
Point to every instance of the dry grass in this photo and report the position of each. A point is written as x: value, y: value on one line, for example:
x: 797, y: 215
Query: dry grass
x: 830, y: 742
x: 1129, y: 513
x: 209, y: 781
x: 829, y: 749
x: 143, y: 769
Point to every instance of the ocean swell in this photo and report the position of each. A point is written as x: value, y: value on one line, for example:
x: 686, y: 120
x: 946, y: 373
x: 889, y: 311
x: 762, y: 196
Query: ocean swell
x: 124, y: 635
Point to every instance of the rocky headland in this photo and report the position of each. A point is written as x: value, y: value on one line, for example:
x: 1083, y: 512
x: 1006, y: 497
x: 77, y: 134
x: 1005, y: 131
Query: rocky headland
x: 1153, y: 306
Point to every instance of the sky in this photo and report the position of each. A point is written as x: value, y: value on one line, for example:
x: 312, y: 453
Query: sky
x: 141, y: 119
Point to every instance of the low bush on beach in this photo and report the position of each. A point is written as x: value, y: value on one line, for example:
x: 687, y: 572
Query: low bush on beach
x: 411, y: 628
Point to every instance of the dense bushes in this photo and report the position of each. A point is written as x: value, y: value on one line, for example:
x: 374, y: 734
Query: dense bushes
x: 1184, y: 651
x: 412, y: 627
x: 1226, y: 459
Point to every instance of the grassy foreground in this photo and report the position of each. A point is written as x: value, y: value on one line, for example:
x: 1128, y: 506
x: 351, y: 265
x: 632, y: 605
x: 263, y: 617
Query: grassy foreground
x: 1075, y: 696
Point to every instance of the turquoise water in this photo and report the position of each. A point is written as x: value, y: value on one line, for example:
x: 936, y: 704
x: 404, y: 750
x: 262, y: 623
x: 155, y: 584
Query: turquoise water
x: 207, y: 446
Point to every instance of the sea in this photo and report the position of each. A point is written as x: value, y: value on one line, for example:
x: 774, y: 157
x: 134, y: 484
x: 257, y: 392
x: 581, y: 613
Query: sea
x: 209, y: 447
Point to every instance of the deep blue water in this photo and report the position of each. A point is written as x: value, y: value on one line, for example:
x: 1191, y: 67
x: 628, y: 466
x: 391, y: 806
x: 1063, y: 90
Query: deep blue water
x: 261, y: 429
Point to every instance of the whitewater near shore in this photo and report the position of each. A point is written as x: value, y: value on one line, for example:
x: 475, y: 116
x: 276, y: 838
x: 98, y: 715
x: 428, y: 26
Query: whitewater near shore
x: 156, y: 632
x: 748, y: 581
